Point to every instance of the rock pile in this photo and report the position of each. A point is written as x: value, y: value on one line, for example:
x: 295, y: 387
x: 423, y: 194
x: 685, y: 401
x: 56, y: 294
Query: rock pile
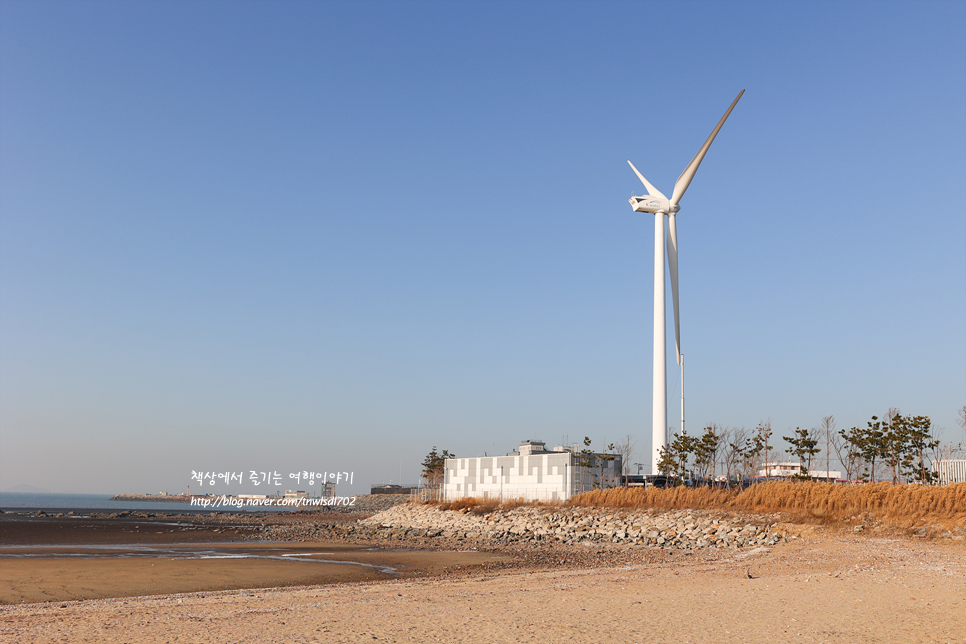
x: 376, y: 502
x: 681, y: 529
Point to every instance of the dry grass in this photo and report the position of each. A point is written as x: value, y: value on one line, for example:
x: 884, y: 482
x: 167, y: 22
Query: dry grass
x: 900, y: 505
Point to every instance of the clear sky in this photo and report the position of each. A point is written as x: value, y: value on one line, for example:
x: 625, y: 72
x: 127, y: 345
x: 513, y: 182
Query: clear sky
x: 287, y: 236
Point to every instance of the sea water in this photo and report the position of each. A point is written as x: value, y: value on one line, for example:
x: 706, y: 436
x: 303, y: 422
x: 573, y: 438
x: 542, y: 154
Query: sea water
x: 24, y: 501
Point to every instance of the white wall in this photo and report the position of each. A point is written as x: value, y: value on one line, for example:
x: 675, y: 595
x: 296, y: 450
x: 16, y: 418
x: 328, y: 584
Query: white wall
x: 539, y: 477
x: 950, y: 471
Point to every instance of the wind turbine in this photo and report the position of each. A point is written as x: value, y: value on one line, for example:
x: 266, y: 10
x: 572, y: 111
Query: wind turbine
x: 655, y: 202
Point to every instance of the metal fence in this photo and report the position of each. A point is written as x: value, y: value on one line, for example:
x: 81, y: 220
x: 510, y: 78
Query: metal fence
x: 950, y: 470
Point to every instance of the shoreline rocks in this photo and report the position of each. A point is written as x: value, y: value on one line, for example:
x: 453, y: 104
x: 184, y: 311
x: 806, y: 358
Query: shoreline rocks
x: 676, y: 529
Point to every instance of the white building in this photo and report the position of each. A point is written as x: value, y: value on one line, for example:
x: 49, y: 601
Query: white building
x: 950, y: 470
x: 787, y: 470
x: 532, y: 473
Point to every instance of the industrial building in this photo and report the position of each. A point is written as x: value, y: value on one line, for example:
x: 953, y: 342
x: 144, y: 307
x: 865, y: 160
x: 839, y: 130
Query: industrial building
x: 787, y: 470
x: 532, y: 472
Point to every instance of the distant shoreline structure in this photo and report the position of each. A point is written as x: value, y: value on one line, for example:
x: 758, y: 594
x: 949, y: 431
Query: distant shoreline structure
x: 154, y: 498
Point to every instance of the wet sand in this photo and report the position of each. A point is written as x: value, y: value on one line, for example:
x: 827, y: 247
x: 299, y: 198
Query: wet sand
x: 60, y: 559
x: 63, y: 574
x: 26, y: 530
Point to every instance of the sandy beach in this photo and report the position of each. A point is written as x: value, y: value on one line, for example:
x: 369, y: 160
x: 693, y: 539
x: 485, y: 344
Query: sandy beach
x: 816, y: 589
x: 822, y: 586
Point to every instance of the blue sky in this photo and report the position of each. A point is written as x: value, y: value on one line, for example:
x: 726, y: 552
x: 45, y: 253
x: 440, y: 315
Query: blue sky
x: 290, y: 236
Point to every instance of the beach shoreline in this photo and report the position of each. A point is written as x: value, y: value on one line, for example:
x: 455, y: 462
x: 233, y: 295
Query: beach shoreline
x: 819, y: 584
x: 821, y: 587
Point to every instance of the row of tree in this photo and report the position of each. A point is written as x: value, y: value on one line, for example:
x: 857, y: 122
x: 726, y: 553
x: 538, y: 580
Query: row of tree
x: 902, y: 446
x: 738, y: 453
x: 896, y: 447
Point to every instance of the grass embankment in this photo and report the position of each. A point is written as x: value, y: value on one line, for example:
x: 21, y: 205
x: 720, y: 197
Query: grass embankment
x: 899, y: 505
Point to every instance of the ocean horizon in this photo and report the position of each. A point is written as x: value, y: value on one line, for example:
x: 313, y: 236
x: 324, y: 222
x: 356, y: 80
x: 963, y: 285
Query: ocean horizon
x: 21, y: 502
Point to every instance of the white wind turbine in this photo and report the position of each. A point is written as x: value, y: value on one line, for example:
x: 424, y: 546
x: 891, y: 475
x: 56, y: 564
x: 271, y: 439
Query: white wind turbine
x: 655, y: 202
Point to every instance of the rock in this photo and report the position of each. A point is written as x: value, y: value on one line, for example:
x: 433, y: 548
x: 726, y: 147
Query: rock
x: 669, y: 530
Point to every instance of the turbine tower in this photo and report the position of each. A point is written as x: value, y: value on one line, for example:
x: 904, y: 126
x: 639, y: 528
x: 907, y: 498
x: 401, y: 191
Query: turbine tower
x: 655, y: 202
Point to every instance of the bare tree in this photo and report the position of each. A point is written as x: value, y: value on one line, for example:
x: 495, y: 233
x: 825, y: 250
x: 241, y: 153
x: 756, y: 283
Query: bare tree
x: 846, y: 445
x: 764, y: 433
x: 625, y: 449
x: 718, y: 432
x: 828, y: 426
x: 757, y: 450
x: 961, y: 420
x: 735, y: 444
x: 891, y: 414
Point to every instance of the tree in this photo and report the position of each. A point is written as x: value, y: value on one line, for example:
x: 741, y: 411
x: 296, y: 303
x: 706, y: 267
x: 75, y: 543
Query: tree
x: 626, y: 449
x: 847, y: 448
x: 733, y: 453
x: 903, y: 443
x: 871, y: 443
x: 585, y: 461
x: 666, y: 462
x: 706, y: 452
x: 758, y: 450
x: 961, y: 420
x: 603, y: 459
x: 804, y: 446
x: 434, y: 467
x: 591, y: 463
x: 828, y: 427
x: 894, y: 442
x: 674, y: 456
x: 911, y: 437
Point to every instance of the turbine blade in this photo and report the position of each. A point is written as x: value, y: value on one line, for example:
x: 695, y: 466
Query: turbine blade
x: 651, y: 190
x: 672, y: 262
x: 681, y: 185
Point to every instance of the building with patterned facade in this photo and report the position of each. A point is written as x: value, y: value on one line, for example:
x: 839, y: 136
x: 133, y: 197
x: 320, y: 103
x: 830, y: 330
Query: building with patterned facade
x: 532, y: 472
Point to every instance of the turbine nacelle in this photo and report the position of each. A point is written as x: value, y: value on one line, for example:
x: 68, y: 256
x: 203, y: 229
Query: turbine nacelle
x: 651, y: 204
